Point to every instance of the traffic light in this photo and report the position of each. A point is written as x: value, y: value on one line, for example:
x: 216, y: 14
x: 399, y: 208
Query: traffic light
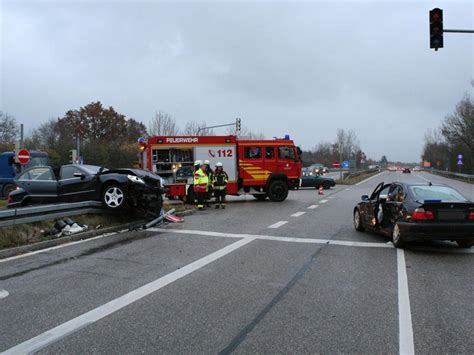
x: 436, y: 28
x: 238, y: 124
x: 73, y: 156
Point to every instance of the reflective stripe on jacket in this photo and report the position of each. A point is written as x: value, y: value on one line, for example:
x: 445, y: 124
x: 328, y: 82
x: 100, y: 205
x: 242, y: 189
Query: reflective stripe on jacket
x: 219, y: 180
x: 200, y: 181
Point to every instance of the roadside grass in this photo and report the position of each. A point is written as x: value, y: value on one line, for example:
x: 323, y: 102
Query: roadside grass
x: 454, y: 177
x: 3, y: 204
x: 355, y: 179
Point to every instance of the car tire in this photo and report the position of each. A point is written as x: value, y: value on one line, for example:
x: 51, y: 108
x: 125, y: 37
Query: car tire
x: 397, y: 238
x: 277, y: 191
x: 7, y: 189
x: 326, y: 186
x: 358, y: 225
x: 260, y: 197
x: 464, y: 243
x: 114, y: 197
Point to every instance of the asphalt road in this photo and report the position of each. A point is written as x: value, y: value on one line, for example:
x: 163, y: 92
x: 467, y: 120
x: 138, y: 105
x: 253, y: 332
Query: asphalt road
x: 258, y: 277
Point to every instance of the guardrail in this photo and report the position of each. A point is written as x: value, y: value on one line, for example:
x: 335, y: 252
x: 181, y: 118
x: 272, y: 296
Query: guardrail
x: 452, y: 174
x: 360, y: 172
x: 15, y: 216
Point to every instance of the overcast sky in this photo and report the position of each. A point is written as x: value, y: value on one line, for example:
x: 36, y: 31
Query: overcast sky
x: 299, y: 68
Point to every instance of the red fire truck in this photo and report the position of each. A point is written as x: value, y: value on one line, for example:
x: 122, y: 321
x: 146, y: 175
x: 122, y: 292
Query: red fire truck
x: 262, y: 168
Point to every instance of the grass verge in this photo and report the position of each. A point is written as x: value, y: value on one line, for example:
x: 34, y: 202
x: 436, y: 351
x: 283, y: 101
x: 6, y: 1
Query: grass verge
x: 355, y: 179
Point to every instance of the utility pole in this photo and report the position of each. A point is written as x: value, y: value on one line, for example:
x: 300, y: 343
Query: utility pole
x: 21, y: 136
x: 340, y: 161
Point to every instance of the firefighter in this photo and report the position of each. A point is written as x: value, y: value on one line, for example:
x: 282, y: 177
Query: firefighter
x: 197, y: 166
x: 219, y: 183
x: 200, y: 185
x: 209, y: 173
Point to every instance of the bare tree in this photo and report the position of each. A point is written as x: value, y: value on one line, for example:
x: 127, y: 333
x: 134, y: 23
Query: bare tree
x: 194, y: 128
x: 347, y: 143
x: 163, y: 125
x: 245, y: 132
x: 8, y: 129
x: 458, y: 128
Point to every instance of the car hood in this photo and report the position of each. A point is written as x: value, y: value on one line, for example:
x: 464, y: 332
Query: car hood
x: 136, y: 172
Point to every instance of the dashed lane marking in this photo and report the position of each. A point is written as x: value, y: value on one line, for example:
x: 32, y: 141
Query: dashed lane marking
x: 331, y: 197
x: 3, y: 293
x: 312, y: 207
x: 278, y: 224
x: 348, y: 189
x: 298, y: 214
x: 404, y: 312
x: 53, y: 335
x: 323, y: 201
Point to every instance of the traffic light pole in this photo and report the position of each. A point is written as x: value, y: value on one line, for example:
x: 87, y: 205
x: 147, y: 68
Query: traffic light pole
x: 459, y: 31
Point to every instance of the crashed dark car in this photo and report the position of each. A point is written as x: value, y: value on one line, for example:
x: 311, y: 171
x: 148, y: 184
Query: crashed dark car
x: 408, y: 212
x: 116, y: 189
x: 316, y: 181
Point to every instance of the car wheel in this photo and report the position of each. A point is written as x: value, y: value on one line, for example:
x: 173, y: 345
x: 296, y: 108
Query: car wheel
x: 260, y: 197
x: 326, y: 186
x: 464, y: 243
x: 277, y: 191
x: 397, y: 238
x: 357, y: 221
x: 114, y: 197
x: 7, y: 189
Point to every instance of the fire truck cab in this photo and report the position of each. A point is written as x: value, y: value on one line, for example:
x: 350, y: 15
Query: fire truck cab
x: 262, y: 168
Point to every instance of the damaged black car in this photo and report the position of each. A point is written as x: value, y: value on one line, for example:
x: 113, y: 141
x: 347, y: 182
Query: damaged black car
x: 115, y: 188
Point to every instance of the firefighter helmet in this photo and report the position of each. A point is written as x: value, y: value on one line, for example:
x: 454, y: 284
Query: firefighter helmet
x: 207, y: 162
x: 197, y: 162
x: 219, y: 164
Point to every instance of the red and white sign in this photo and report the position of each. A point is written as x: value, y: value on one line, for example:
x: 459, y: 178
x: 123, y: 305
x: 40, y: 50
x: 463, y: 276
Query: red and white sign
x: 336, y: 164
x: 23, y: 156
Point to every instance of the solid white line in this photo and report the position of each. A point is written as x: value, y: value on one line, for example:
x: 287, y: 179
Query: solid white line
x: 41, y: 341
x: 297, y: 214
x: 404, y: 313
x: 275, y: 238
x: 3, y: 293
x: 369, y: 178
x: 61, y: 246
x: 420, y: 176
x: 278, y: 224
x: 312, y: 207
x: 323, y: 201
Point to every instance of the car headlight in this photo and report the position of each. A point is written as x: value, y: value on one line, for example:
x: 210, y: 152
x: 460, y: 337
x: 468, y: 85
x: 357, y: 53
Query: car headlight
x: 135, y: 179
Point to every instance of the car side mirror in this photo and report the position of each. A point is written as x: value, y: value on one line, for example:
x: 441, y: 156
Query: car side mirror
x: 79, y: 175
x: 365, y: 198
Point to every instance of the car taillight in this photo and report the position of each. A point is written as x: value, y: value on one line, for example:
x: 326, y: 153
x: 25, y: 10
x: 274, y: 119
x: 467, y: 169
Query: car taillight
x: 421, y: 215
x: 471, y: 216
x: 9, y: 200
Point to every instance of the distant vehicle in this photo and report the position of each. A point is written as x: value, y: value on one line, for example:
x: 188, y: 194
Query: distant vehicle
x: 316, y: 181
x: 407, y: 212
x: 317, y: 169
x: 116, y: 188
x: 9, y: 168
x: 392, y: 168
x: 406, y: 170
x: 417, y: 168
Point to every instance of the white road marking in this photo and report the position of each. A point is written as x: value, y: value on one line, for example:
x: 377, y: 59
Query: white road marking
x: 275, y: 238
x: 420, y: 176
x: 331, y: 197
x: 297, y: 214
x: 348, y: 189
x: 278, y: 224
x: 323, y: 201
x: 405, y: 327
x: 369, y: 178
x: 3, y: 293
x: 312, y: 207
x: 61, y: 246
x: 53, y: 335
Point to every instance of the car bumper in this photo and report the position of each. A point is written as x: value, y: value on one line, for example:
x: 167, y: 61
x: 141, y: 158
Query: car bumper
x: 436, y: 231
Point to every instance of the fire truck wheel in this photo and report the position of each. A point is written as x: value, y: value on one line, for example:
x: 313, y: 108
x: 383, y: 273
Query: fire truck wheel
x: 260, y: 197
x: 114, y: 197
x: 277, y: 191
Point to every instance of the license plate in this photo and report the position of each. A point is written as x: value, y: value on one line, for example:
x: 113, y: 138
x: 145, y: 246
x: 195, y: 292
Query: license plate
x: 451, y: 215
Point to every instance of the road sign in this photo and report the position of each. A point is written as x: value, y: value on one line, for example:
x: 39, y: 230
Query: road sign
x: 336, y: 164
x: 460, y: 156
x: 23, y: 156
x: 459, y: 162
x: 345, y: 164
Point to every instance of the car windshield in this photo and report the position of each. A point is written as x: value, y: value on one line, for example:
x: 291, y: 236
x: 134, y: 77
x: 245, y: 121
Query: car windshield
x: 436, y: 193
